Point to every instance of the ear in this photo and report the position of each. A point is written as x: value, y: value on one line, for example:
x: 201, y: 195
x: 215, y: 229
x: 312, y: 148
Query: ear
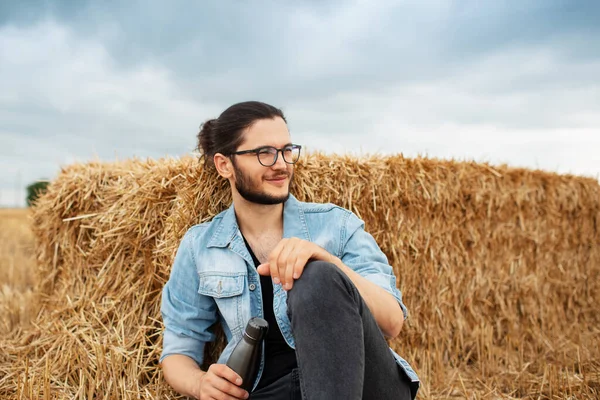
x: 223, y: 165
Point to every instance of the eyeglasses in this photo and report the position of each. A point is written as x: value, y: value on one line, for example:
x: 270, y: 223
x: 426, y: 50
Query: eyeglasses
x: 267, y: 155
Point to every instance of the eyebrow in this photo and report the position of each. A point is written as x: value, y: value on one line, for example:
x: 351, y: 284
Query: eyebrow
x: 268, y: 145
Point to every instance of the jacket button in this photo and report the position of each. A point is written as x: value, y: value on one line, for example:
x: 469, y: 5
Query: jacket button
x: 252, y: 286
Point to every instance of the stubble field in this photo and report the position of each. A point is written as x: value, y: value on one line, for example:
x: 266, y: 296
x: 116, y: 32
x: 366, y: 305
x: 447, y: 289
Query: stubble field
x: 17, y: 270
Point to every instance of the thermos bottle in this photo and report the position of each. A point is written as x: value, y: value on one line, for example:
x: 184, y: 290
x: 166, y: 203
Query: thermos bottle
x: 245, y: 357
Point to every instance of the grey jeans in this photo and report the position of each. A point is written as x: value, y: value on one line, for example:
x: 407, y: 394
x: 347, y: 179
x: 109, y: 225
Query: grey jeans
x: 341, y: 351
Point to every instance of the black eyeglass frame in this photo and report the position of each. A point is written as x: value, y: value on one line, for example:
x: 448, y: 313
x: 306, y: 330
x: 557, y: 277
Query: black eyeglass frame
x: 277, y: 151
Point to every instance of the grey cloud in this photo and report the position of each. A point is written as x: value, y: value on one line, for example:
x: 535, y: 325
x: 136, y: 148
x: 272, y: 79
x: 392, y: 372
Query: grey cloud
x: 137, y: 78
x: 477, y: 29
x: 221, y: 50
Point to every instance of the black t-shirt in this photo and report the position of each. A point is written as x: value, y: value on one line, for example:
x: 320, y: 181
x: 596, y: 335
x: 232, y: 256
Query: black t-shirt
x: 280, y: 358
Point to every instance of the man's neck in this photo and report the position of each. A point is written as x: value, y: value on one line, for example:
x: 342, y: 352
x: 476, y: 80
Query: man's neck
x: 255, y: 220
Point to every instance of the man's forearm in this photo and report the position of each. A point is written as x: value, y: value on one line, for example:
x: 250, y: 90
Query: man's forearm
x: 183, y: 375
x: 384, y: 307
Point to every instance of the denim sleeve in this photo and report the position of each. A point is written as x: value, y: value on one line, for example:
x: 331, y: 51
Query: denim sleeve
x: 362, y: 253
x: 187, y: 315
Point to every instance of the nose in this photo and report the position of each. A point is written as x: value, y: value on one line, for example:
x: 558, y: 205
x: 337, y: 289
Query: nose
x: 280, y: 163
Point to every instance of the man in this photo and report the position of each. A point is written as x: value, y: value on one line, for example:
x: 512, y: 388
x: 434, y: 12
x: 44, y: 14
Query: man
x: 310, y: 270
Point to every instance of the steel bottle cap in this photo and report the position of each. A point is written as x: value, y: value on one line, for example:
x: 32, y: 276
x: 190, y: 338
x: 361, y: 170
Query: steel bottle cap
x: 256, y: 328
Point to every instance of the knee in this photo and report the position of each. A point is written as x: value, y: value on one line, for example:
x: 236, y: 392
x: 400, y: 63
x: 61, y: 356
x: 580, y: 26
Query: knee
x: 318, y: 281
x: 319, y: 271
x: 317, y: 276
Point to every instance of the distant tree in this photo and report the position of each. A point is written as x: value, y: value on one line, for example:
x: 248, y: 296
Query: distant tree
x: 35, y: 190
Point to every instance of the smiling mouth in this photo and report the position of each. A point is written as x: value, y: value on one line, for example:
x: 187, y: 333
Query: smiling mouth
x: 277, y: 178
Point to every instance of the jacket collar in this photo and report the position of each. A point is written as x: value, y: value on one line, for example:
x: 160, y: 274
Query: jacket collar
x: 294, y: 225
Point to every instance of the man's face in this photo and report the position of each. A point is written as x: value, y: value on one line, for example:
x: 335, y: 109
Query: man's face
x: 255, y: 182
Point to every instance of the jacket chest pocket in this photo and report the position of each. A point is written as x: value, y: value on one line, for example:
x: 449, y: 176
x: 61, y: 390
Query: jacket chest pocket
x: 227, y: 290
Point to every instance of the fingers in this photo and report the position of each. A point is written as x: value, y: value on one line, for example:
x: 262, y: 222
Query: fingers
x: 273, y: 261
x: 263, y: 269
x: 294, y: 266
x: 221, y: 382
x: 299, y: 265
x: 227, y: 373
x: 286, y: 262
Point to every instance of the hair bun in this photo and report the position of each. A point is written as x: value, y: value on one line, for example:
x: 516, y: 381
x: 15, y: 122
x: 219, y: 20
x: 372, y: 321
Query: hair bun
x: 206, y: 136
x: 209, y: 125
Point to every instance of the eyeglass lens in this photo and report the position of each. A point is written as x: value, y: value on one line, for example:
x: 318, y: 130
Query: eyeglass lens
x: 268, y: 155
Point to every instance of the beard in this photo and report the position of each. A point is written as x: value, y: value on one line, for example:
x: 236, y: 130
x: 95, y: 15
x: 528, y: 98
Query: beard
x: 250, y: 191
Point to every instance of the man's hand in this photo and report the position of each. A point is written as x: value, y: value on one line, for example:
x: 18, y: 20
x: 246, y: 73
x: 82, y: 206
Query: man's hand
x: 219, y: 383
x: 287, y: 260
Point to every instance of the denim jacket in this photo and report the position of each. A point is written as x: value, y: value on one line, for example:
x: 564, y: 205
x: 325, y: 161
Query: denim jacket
x: 213, y: 277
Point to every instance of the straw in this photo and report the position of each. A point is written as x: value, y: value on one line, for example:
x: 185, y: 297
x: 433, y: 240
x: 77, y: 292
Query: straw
x: 499, y: 267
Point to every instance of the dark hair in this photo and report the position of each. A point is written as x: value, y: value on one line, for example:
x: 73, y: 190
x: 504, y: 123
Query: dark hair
x: 224, y: 134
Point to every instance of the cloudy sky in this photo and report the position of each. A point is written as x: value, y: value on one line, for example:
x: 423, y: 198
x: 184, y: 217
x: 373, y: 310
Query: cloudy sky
x: 514, y: 82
